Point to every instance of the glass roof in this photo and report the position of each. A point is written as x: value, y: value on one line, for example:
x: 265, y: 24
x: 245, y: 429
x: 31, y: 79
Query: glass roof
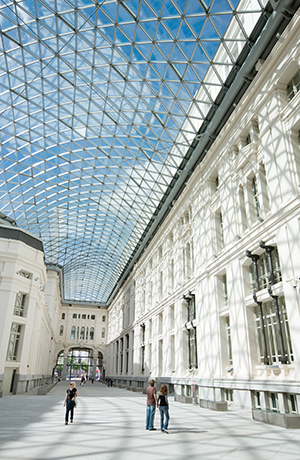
x: 100, y: 102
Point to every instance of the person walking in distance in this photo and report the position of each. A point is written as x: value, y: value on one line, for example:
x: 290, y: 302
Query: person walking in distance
x: 151, y: 405
x: 71, y: 395
x: 163, y: 405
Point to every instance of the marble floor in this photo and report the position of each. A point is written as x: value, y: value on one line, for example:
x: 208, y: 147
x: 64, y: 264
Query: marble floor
x: 109, y: 424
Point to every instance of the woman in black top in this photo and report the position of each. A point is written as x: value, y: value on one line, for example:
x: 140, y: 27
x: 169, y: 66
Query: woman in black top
x: 163, y: 405
x: 71, y: 394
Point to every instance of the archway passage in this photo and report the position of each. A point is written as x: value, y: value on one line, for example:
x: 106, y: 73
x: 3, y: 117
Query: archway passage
x: 78, y: 362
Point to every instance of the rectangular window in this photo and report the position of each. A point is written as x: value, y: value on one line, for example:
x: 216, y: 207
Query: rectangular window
x: 228, y: 395
x: 25, y: 274
x: 273, y: 402
x: 73, y: 329
x: 14, y: 341
x: 271, y: 332
x: 293, y: 86
x: 191, y: 307
x: 228, y: 334
x: 192, y: 345
x: 142, y: 359
x: 19, y: 309
x: 225, y: 293
x: 160, y: 323
x: 264, y: 271
x: 127, y: 362
x: 82, y: 332
x: 83, y: 316
x: 291, y: 404
x: 255, y: 197
x: 142, y: 332
x: 257, y: 402
x: 222, y: 230
x: 219, y: 231
x: 91, y: 333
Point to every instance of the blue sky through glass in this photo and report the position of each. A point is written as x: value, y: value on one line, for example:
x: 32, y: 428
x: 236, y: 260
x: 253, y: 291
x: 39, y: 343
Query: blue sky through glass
x: 92, y: 98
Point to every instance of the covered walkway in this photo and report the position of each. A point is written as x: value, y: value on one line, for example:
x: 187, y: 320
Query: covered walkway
x: 109, y: 424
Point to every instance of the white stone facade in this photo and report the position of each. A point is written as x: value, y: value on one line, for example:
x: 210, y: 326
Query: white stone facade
x: 35, y: 326
x: 26, y: 326
x: 245, y: 191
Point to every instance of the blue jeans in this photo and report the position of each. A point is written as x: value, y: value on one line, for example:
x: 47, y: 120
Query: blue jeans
x: 150, y: 417
x: 164, y: 412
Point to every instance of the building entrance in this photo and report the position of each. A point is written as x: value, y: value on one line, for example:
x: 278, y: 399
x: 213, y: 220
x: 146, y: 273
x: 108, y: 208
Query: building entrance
x: 79, y: 362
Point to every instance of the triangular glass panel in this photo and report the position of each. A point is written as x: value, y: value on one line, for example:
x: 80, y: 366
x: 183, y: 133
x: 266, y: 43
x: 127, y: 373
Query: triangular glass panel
x: 165, y: 49
x: 221, y: 22
x: 196, y: 24
x: 169, y: 10
x: 145, y: 12
x: 221, y: 6
x: 195, y: 8
x: 110, y: 9
x: 210, y: 47
x: 128, y: 31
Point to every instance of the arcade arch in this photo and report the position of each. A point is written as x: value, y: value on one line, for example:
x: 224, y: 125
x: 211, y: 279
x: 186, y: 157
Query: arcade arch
x: 73, y: 362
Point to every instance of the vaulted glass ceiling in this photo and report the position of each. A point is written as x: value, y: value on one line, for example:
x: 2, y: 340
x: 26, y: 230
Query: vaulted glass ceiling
x: 100, y: 103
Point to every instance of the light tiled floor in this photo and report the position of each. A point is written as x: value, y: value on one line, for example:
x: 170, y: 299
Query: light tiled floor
x: 109, y: 424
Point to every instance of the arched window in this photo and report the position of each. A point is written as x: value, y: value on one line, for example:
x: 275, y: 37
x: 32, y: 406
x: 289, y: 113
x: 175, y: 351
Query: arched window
x: 103, y: 332
x: 91, y: 333
x: 77, y: 332
x: 63, y: 316
x: 73, y: 329
x: 82, y: 331
x: 103, y: 319
x: 61, y: 330
x: 87, y: 333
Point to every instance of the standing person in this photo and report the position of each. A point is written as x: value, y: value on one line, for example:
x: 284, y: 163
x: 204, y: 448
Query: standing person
x: 163, y: 405
x: 151, y: 404
x: 71, y: 395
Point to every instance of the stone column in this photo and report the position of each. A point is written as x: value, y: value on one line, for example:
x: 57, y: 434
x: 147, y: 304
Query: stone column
x: 64, y: 371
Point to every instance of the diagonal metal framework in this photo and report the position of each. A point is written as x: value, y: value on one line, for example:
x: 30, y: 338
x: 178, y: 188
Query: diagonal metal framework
x: 100, y: 104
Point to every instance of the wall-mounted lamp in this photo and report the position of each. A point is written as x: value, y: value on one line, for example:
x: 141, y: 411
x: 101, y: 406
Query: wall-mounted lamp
x: 260, y: 219
x: 189, y: 296
x: 229, y: 369
x: 238, y: 237
x: 294, y: 281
